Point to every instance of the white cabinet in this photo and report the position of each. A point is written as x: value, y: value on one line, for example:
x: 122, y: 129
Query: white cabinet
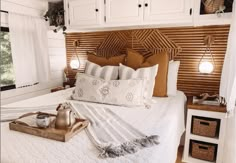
x: 85, y: 12
x: 143, y: 12
x: 98, y: 14
x: 168, y: 11
x: 124, y: 11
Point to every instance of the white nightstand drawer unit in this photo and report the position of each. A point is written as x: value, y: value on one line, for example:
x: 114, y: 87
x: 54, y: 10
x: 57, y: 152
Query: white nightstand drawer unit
x: 218, y: 139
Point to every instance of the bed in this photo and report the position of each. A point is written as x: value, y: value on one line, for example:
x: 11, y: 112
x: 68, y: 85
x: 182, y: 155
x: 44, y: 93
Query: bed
x: 165, y: 118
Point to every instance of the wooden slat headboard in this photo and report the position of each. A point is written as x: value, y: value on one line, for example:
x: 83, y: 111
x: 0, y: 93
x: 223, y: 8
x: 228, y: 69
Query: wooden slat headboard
x: 183, y: 43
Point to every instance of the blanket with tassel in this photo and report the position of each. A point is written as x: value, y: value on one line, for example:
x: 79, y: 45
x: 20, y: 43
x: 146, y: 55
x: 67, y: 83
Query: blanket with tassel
x: 112, y: 135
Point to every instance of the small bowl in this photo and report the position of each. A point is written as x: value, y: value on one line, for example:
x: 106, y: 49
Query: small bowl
x: 43, y: 120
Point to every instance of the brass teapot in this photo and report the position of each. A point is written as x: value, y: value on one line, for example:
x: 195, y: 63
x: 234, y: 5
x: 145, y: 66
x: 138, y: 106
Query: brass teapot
x: 65, y: 117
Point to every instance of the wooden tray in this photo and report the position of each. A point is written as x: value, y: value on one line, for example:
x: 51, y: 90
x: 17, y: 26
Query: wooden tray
x: 51, y: 132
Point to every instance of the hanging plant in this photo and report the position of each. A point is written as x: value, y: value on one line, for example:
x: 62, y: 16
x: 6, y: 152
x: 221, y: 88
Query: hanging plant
x: 55, y: 15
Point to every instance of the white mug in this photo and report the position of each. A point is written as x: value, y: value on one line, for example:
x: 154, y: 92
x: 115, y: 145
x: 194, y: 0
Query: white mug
x: 43, y: 120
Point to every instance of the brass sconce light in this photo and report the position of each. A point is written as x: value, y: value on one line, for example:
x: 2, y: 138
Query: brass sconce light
x: 75, y: 61
x: 205, y: 66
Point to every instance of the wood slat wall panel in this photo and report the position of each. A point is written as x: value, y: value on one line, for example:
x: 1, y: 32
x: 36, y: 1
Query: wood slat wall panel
x: 183, y: 43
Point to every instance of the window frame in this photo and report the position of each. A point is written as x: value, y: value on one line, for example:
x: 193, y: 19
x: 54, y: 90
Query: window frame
x: 9, y: 87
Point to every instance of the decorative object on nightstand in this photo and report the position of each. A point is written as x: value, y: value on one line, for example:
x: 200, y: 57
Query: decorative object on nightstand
x: 66, y: 74
x: 204, y: 140
x: 205, y: 98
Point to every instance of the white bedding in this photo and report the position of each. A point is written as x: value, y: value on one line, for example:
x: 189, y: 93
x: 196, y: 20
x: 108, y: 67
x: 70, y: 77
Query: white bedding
x: 165, y: 118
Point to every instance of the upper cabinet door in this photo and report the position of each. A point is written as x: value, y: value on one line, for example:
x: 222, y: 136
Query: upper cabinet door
x: 124, y: 11
x: 204, y: 14
x: 85, y: 12
x: 167, y: 11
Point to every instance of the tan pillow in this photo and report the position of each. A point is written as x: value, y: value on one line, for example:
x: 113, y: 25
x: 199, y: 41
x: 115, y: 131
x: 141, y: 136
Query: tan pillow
x: 162, y: 59
x: 102, y: 61
x: 134, y: 59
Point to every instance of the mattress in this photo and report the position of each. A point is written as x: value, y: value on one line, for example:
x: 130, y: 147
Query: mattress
x: 165, y: 118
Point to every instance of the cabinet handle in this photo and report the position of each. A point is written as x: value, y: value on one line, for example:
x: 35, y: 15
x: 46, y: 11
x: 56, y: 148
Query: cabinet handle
x: 96, y: 10
x: 146, y: 4
x: 190, y: 11
x: 202, y: 147
x: 205, y: 123
x: 139, y: 5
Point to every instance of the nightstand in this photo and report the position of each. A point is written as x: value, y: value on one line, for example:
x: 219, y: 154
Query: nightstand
x: 69, y: 83
x: 205, y: 132
x: 59, y: 88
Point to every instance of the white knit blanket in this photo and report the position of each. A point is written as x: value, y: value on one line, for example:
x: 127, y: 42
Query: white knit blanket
x: 112, y: 136
x: 12, y: 113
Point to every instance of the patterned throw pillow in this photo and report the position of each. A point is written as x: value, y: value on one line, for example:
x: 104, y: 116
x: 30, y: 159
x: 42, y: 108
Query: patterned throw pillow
x: 105, y: 72
x: 147, y: 73
x: 116, y: 92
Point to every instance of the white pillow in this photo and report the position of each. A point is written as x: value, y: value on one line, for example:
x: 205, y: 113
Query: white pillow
x: 172, y: 78
x: 116, y: 92
x: 147, y: 73
x: 105, y: 72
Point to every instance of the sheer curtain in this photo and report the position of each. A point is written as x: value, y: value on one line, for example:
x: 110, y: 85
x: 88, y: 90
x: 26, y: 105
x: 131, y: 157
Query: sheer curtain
x: 228, y: 91
x: 28, y: 36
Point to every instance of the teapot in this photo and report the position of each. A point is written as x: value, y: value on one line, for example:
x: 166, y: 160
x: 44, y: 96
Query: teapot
x: 65, y: 117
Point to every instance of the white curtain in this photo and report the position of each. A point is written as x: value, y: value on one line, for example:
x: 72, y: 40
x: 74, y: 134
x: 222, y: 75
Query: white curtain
x: 228, y: 91
x: 28, y: 36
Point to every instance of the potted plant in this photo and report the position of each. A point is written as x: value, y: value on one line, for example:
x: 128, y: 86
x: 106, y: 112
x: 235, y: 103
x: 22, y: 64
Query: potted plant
x: 55, y: 15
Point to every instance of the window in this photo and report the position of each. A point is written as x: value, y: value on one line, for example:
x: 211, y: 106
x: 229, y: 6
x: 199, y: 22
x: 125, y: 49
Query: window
x: 6, y: 64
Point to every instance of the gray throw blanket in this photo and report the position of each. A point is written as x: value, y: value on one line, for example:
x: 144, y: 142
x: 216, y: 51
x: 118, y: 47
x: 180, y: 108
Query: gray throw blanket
x: 112, y: 135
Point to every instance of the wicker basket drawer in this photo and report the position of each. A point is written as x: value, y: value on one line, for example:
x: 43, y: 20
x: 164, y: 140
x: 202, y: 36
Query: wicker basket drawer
x: 205, y: 126
x: 203, y: 151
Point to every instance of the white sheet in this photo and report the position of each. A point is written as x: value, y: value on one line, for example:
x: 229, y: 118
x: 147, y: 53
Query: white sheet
x: 165, y: 118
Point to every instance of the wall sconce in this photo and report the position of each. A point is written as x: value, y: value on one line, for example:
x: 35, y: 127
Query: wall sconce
x: 206, y: 66
x: 74, y: 61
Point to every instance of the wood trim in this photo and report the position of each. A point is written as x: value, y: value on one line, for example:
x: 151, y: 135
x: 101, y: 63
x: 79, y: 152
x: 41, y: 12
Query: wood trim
x: 185, y: 44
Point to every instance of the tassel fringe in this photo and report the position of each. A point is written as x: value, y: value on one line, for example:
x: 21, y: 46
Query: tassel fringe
x: 128, y: 147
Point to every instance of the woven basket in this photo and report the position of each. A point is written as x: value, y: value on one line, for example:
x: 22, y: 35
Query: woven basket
x: 211, y: 6
x: 203, y: 151
x: 205, y: 127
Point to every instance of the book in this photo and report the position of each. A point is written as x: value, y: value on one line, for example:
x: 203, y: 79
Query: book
x: 215, y: 102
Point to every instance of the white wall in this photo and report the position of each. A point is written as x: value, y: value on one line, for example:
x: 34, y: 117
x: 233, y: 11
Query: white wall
x: 56, y: 48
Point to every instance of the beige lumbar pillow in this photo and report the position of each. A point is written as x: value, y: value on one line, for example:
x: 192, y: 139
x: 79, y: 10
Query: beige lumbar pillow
x: 116, y: 92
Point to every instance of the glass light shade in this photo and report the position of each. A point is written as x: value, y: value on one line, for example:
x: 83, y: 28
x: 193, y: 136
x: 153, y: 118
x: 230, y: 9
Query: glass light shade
x: 74, y: 63
x: 206, y: 67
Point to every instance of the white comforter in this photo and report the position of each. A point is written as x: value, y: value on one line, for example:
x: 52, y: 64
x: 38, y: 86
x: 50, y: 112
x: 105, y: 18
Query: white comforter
x: 165, y: 118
